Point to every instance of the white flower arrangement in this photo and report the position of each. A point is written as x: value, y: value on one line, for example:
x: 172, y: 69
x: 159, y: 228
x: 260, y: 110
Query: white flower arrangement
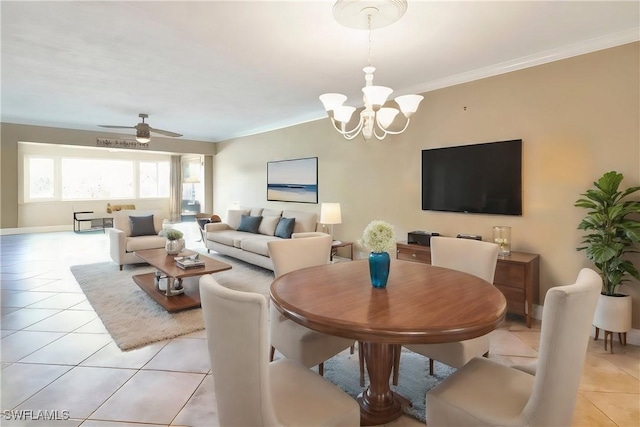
x: 378, y: 236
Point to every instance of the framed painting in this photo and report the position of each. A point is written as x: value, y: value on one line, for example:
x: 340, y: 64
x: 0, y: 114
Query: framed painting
x: 293, y: 180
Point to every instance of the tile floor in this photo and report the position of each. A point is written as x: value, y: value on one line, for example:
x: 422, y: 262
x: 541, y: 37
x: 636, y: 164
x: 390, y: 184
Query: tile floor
x: 57, y: 356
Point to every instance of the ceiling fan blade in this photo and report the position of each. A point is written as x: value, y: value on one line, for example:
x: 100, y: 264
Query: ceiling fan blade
x: 164, y: 132
x: 117, y: 127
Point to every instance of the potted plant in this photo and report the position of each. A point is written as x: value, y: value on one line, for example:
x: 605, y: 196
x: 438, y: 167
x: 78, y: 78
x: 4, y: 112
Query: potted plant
x: 175, y: 243
x: 378, y: 236
x: 612, y: 232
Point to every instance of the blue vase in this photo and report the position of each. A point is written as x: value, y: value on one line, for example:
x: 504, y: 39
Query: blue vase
x: 379, y: 263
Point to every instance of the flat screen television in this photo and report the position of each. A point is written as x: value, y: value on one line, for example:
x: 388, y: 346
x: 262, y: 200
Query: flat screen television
x: 479, y: 178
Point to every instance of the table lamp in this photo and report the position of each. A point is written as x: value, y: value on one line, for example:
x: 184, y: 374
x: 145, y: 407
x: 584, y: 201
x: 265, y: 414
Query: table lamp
x: 330, y: 214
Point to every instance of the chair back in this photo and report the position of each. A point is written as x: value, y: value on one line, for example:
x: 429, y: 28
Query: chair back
x: 293, y: 254
x: 566, y: 322
x: 238, y: 336
x: 469, y: 256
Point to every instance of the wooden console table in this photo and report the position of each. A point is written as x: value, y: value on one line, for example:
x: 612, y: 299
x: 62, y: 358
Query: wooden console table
x: 517, y: 276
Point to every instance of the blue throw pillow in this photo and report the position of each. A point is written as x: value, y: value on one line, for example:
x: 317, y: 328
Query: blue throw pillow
x: 142, y: 226
x: 285, y: 227
x: 249, y: 224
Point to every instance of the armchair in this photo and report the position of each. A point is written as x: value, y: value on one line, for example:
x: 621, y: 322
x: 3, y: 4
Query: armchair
x: 124, y: 240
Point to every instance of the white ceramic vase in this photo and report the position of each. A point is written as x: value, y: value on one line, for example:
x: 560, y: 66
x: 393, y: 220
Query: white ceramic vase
x: 613, y: 313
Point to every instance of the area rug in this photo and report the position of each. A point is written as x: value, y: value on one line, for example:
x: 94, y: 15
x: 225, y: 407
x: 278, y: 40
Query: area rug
x: 413, y: 383
x: 133, y: 319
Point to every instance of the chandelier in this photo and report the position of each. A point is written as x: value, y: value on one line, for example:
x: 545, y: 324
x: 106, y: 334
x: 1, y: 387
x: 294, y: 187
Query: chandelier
x: 375, y: 119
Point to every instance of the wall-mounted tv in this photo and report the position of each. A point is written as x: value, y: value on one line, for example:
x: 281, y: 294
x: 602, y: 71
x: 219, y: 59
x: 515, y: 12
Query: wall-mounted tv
x: 478, y: 178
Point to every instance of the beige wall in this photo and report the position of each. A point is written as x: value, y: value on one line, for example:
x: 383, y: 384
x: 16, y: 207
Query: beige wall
x: 14, y: 213
x: 578, y: 118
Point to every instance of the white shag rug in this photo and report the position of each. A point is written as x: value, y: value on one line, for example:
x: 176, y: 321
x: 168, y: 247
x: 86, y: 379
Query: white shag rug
x: 134, y: 319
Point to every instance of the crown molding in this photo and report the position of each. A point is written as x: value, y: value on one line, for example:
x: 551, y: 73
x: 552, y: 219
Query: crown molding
x: 592, y: 45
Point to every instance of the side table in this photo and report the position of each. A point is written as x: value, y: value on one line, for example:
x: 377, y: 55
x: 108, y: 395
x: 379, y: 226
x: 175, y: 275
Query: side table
x: 339, y: 244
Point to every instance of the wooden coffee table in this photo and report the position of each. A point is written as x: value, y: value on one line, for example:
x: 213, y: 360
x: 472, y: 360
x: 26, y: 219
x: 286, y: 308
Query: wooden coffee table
x: 178, y: 293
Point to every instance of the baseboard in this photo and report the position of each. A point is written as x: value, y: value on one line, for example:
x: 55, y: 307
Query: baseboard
x: 27, y: 230
x: 633, y: 336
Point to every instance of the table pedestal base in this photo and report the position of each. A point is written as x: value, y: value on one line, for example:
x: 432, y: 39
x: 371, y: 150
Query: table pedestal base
x: 378, y: 403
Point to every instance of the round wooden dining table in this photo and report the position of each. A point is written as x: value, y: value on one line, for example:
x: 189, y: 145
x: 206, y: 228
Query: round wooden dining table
x: 421, y: 304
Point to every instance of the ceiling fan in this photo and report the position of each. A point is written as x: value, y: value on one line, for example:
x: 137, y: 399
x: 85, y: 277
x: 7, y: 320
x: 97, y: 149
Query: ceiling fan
x: 143, y: 130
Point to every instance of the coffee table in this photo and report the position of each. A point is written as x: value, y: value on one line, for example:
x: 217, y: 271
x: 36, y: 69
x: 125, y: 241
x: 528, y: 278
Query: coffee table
x: 177, y: 294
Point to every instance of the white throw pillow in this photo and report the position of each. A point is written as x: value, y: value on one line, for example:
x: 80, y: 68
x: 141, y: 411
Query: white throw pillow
x: 234, y: 217
x: 268, y: 225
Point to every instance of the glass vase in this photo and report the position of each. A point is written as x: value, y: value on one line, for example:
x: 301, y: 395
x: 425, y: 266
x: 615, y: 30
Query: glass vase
x: 502, y: 237
x: 174, y: 247
x: 379, y: 263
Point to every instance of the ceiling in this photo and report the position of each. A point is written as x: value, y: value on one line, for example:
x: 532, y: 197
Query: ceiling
x: 214, y: 70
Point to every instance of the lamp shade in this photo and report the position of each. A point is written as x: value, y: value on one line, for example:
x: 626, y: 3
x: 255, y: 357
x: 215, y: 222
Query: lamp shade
x: 386, y: 116
x: 376, y: 95
x: 343, y: 113
x: 331, y: 101
x: 409, y: 103
x: 330, y: 213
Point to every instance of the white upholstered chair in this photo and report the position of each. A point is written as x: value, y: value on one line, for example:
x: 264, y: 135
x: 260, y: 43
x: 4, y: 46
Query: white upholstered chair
x: 123, y: 241
x: 472, y: 257
x: 251, y: 391
x: 293, y: 340
x: 486, y: 393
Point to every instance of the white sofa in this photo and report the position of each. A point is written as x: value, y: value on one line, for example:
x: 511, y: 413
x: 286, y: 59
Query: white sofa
x: 123, y: 244
x: 224, y: 237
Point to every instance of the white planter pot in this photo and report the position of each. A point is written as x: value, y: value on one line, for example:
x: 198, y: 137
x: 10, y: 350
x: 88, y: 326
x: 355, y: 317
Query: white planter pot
x: 613, y: 313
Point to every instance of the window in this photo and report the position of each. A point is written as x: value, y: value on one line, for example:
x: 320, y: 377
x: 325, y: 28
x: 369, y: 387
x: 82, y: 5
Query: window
x: 154, y: 179
x: 41, y: 184
x: 67, y: 178
x: 96, y: 179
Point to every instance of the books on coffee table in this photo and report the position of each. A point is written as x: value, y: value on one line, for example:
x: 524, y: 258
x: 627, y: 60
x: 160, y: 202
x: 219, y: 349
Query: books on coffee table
x: 187, y: 262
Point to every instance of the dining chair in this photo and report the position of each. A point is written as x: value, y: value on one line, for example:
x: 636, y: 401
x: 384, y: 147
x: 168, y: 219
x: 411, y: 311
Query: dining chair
x: 469, y: 256
x: 251, y: 391
x: 293, y: 340
x: 487, y: 393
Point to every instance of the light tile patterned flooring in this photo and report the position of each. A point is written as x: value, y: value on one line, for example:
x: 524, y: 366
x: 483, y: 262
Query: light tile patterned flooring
x: 57, y: 355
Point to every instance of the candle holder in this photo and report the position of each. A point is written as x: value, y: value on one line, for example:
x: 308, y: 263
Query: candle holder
x: 502, y: 237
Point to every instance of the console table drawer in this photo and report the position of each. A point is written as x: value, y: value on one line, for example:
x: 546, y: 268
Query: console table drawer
x: 515, y: 299
x: 414, y: 255
x: 510, y: 275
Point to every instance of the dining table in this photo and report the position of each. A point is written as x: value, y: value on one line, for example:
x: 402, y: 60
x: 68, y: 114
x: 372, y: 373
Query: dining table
x: 421, y: 304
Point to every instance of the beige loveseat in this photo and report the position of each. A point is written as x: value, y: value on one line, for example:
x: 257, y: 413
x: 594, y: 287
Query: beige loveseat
x: 251, y: 247
x: 123, y: 244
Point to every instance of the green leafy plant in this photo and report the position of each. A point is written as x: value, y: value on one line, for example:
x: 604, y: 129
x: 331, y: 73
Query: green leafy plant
x: 378, y: 236
x: 174, y: 234
x: 611, y: 233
